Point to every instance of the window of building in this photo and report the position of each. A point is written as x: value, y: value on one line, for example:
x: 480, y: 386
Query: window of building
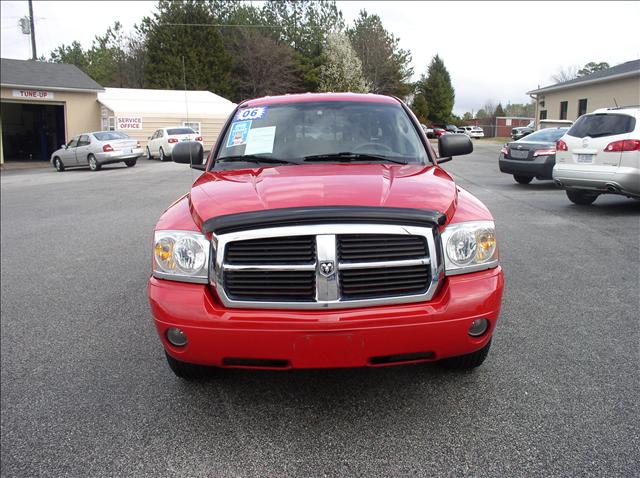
x: 564, y: 107
x: 195, y: 126
x: 508, y: 122
x: 543, y: 114
x: 112, y: 123
x: 582, y: 107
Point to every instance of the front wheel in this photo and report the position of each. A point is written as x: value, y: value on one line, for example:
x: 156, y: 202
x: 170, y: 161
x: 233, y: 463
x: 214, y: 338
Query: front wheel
x: 187, y: 371
x: 581, y: 198
x: 57, y: 163
x: 522, y: 179
x: 93, y: 163
x: 130, y: 163
x: 469, y: 361
x: 149, y: 153
x: 162, y: 155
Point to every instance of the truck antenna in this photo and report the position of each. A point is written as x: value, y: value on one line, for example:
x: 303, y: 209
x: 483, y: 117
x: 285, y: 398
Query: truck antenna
x: 615, y: 102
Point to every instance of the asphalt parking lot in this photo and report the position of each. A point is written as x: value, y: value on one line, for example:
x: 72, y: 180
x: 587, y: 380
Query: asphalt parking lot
x: 86, y: 390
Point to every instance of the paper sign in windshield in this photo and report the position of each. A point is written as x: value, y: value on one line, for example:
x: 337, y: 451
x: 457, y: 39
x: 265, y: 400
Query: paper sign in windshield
x: 238, y: 134
x: 260, y: 140
x: 251, y: 113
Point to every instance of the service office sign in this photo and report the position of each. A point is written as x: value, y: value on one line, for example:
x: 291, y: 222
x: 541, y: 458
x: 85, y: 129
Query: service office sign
x: 129, y: 122
x: 33, y: 94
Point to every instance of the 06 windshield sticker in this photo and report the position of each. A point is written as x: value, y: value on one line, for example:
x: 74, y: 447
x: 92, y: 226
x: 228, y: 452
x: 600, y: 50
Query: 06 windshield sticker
x: 260, y: 140
x: 251, y: 113
x: 239, y: 133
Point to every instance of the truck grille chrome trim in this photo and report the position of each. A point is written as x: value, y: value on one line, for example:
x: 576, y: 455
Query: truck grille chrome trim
x: 371, y: 273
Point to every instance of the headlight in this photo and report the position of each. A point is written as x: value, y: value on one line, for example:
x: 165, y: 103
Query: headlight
x: 181, y: 256
x: 469, y: 247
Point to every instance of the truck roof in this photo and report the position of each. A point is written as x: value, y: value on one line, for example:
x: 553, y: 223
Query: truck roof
x: 310, y: 97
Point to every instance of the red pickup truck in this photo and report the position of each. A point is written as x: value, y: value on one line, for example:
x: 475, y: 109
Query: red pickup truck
x: 323, y: 233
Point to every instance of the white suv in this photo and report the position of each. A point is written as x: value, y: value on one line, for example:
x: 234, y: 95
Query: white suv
x: 600, y: 154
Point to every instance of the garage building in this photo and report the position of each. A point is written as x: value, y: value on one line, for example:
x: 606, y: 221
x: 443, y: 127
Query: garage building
x: 41, y: 105
x: 139, y: 113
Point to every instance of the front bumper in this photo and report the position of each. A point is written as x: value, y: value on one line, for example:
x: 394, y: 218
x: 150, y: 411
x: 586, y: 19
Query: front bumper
x: 118, y: 156
x: 369, y: 336
x: 601, y: 179
x: 540, y: 167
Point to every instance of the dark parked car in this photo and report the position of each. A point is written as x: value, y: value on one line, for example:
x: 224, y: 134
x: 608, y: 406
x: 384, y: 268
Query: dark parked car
x: 531, y: 157
x: 522, y: 131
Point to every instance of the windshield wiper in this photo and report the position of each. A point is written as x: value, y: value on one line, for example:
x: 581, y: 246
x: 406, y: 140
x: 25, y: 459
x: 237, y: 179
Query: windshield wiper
x: 253, y: 158
x: 346, y: 157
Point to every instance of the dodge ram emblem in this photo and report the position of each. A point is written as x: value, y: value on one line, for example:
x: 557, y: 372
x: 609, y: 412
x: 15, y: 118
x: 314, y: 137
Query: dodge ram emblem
x: 327, y: 268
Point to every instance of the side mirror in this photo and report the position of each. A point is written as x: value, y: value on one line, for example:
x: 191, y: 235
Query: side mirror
x: 188, y: 152
x: 450, y: 145
x: 63, y: 146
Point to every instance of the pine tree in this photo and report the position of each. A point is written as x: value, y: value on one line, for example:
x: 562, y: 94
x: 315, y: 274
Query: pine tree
x: 170, y: 38
x: 438, y: 91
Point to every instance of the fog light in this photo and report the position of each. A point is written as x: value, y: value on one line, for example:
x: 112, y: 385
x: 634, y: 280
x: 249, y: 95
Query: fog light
x: 478, y: 327
x: 177, y: 337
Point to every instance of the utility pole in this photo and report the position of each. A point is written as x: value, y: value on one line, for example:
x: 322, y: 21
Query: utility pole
x: 33, y: 33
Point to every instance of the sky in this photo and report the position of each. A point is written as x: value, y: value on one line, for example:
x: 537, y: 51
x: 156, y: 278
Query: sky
x: 494, y: 51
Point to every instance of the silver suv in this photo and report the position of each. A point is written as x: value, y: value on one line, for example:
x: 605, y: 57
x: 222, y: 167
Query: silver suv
x: 600, y: 154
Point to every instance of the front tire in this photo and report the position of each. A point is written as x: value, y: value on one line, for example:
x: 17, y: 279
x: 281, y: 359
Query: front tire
x: 162, y: 155
x: 94, y: 165
x: 149, y: 154
x: 57, y: 163
x: 522, y: 179
x: 581, y: 198
x: 468, y: 361
x: 186, y: 371
x: 130, y: 163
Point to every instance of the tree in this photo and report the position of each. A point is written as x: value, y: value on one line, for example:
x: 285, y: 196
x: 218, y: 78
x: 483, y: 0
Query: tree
x: 592, y: 67
x: 384, y: 64
x: 171, y: 36
x: 304, y: 26
x: 481, y: 114
x: 438, y: 91
x: 565, y: 74
x: 342, y: 70
x: 467, y: 116
x: 499, y: 112
x: 420, y: 108
x: 262, y: 66
x: 72, y: 54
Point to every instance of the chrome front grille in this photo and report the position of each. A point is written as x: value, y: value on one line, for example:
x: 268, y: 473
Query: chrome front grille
x: 326, y: 266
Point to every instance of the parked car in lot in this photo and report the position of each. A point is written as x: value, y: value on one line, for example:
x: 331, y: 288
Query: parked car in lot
x: 162, y: 141
x: 288, y: 253
x: 531, y: 157
x: 437, y: 132
x: 600, y: 154
x: 522, y: 131
x: 475, y: 132
x: 428, y: 130
x: 97, y: 149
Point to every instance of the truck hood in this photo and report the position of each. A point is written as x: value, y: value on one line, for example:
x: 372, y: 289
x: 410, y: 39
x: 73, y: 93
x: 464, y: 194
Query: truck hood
x: 249, y: 190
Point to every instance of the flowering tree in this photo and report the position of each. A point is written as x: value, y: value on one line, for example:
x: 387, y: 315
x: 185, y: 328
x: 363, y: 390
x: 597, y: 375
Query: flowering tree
x: 342, y: 70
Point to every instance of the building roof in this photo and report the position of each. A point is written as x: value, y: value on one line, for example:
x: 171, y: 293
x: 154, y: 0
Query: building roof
x: 630, y: 68
x: 165, y: 102
x: 43, y: 75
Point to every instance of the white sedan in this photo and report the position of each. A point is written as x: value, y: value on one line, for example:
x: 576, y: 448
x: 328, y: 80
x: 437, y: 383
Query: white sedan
x: 163, y: 140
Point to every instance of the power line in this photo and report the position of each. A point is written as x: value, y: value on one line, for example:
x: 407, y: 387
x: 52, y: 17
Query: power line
x: 218, y: 25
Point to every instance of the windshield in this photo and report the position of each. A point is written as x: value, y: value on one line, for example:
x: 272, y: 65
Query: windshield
x: 293, y: 132
x: 110, y: 135
x: 549, y: 135
x: 172, y: 131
